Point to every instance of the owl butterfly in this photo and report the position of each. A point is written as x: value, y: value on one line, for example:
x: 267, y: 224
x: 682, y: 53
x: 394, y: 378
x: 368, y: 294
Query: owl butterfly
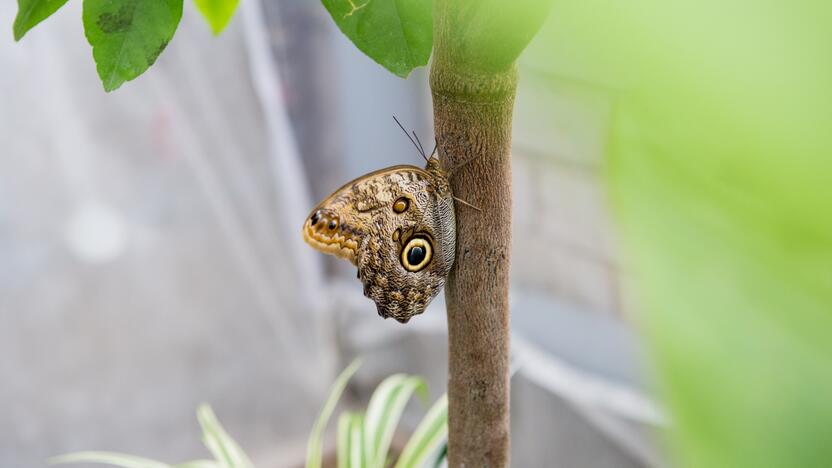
x: 397, y: 225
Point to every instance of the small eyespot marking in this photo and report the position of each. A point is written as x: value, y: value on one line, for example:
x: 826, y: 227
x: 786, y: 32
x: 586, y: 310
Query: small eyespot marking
x: 332, y: 225
x: 401, y: 205
x: 397, y: 234
x: 417, y: 254
x: 315, y: 218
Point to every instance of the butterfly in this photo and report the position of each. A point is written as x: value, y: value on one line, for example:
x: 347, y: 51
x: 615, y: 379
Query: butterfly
x: 398, y: 227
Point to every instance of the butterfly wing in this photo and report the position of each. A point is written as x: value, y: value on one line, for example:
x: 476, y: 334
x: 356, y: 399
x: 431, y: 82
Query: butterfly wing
x: 397, y: 226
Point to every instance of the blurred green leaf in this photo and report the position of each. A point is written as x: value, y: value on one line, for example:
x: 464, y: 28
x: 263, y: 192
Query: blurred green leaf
x: 442, y: 456
x: 126, y: 461
x: 431, y: 431
x: 314, y: 447
x: 32, y: 12
x: 127, y: 36
x: 343, y: 440
x: 109, y: 458
x: 350, y: 450
x: 198, y: 464
x: 218, y: 13
x: 398, y: 34
x: 383, y: 414
x: 489, y: 35
x: 356, y: 444
x: 720, y: 175
x: 225, y: 450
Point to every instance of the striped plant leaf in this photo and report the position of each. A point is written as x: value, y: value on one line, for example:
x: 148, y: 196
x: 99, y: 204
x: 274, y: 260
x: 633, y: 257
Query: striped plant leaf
x: 227, y: 452
x: 357, y: 456
x: 384, y: 412
x: 429, y: 434
x: 343, y: 440
x: 108, y: 458
x: 314, y: 448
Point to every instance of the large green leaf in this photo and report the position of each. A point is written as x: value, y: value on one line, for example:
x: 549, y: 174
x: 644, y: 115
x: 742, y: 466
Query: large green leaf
x: 32, y: 12
x: 722, y: 182
x: 128, y: 35
x: 398, y: 34
x: 218, y: 13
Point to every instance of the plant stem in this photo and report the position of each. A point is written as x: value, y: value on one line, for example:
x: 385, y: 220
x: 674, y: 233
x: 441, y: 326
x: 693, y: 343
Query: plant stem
x: 472, y: 119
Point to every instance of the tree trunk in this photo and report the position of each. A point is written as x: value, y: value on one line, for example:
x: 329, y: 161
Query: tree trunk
x: 472, y: 118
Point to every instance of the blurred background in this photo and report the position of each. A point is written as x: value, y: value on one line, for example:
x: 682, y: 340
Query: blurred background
x: 151, y: 257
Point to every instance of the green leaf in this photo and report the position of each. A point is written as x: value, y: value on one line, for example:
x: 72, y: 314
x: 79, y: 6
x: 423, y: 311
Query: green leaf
x: 398, y: 34
x: 720, y: 175
x: 383, y: 415
x: 225, y: 450
x: 429, y: 434
x: 218, y: 13
x: 109, y: 458
x: 32, y: 12
x: 314, y: 447
x: 343, y: 440
x: 198, y: 464
x: 350, y: 451
x: 442, y: 456
x: 488, y: 35
x: 356, y: 450
x: 127, y: 36
x: 127, y: 461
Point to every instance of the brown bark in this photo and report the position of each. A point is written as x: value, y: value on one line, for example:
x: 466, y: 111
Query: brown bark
x: 472, y: 118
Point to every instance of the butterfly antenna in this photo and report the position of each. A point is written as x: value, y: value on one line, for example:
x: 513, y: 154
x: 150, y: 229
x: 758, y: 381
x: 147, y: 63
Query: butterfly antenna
x: 468, y: 204
x: 420, y: 144
x: 421, y: 152
x: 435, y: 145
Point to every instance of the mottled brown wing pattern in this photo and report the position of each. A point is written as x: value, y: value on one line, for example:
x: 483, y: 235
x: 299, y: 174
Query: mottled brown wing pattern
x: 397, y: 226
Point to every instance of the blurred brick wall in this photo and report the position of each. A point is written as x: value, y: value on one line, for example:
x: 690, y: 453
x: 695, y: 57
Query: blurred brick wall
x: 563, y: 234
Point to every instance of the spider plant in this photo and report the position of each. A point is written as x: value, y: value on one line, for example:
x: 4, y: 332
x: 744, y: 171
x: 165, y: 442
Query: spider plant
x: 363, y: 438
